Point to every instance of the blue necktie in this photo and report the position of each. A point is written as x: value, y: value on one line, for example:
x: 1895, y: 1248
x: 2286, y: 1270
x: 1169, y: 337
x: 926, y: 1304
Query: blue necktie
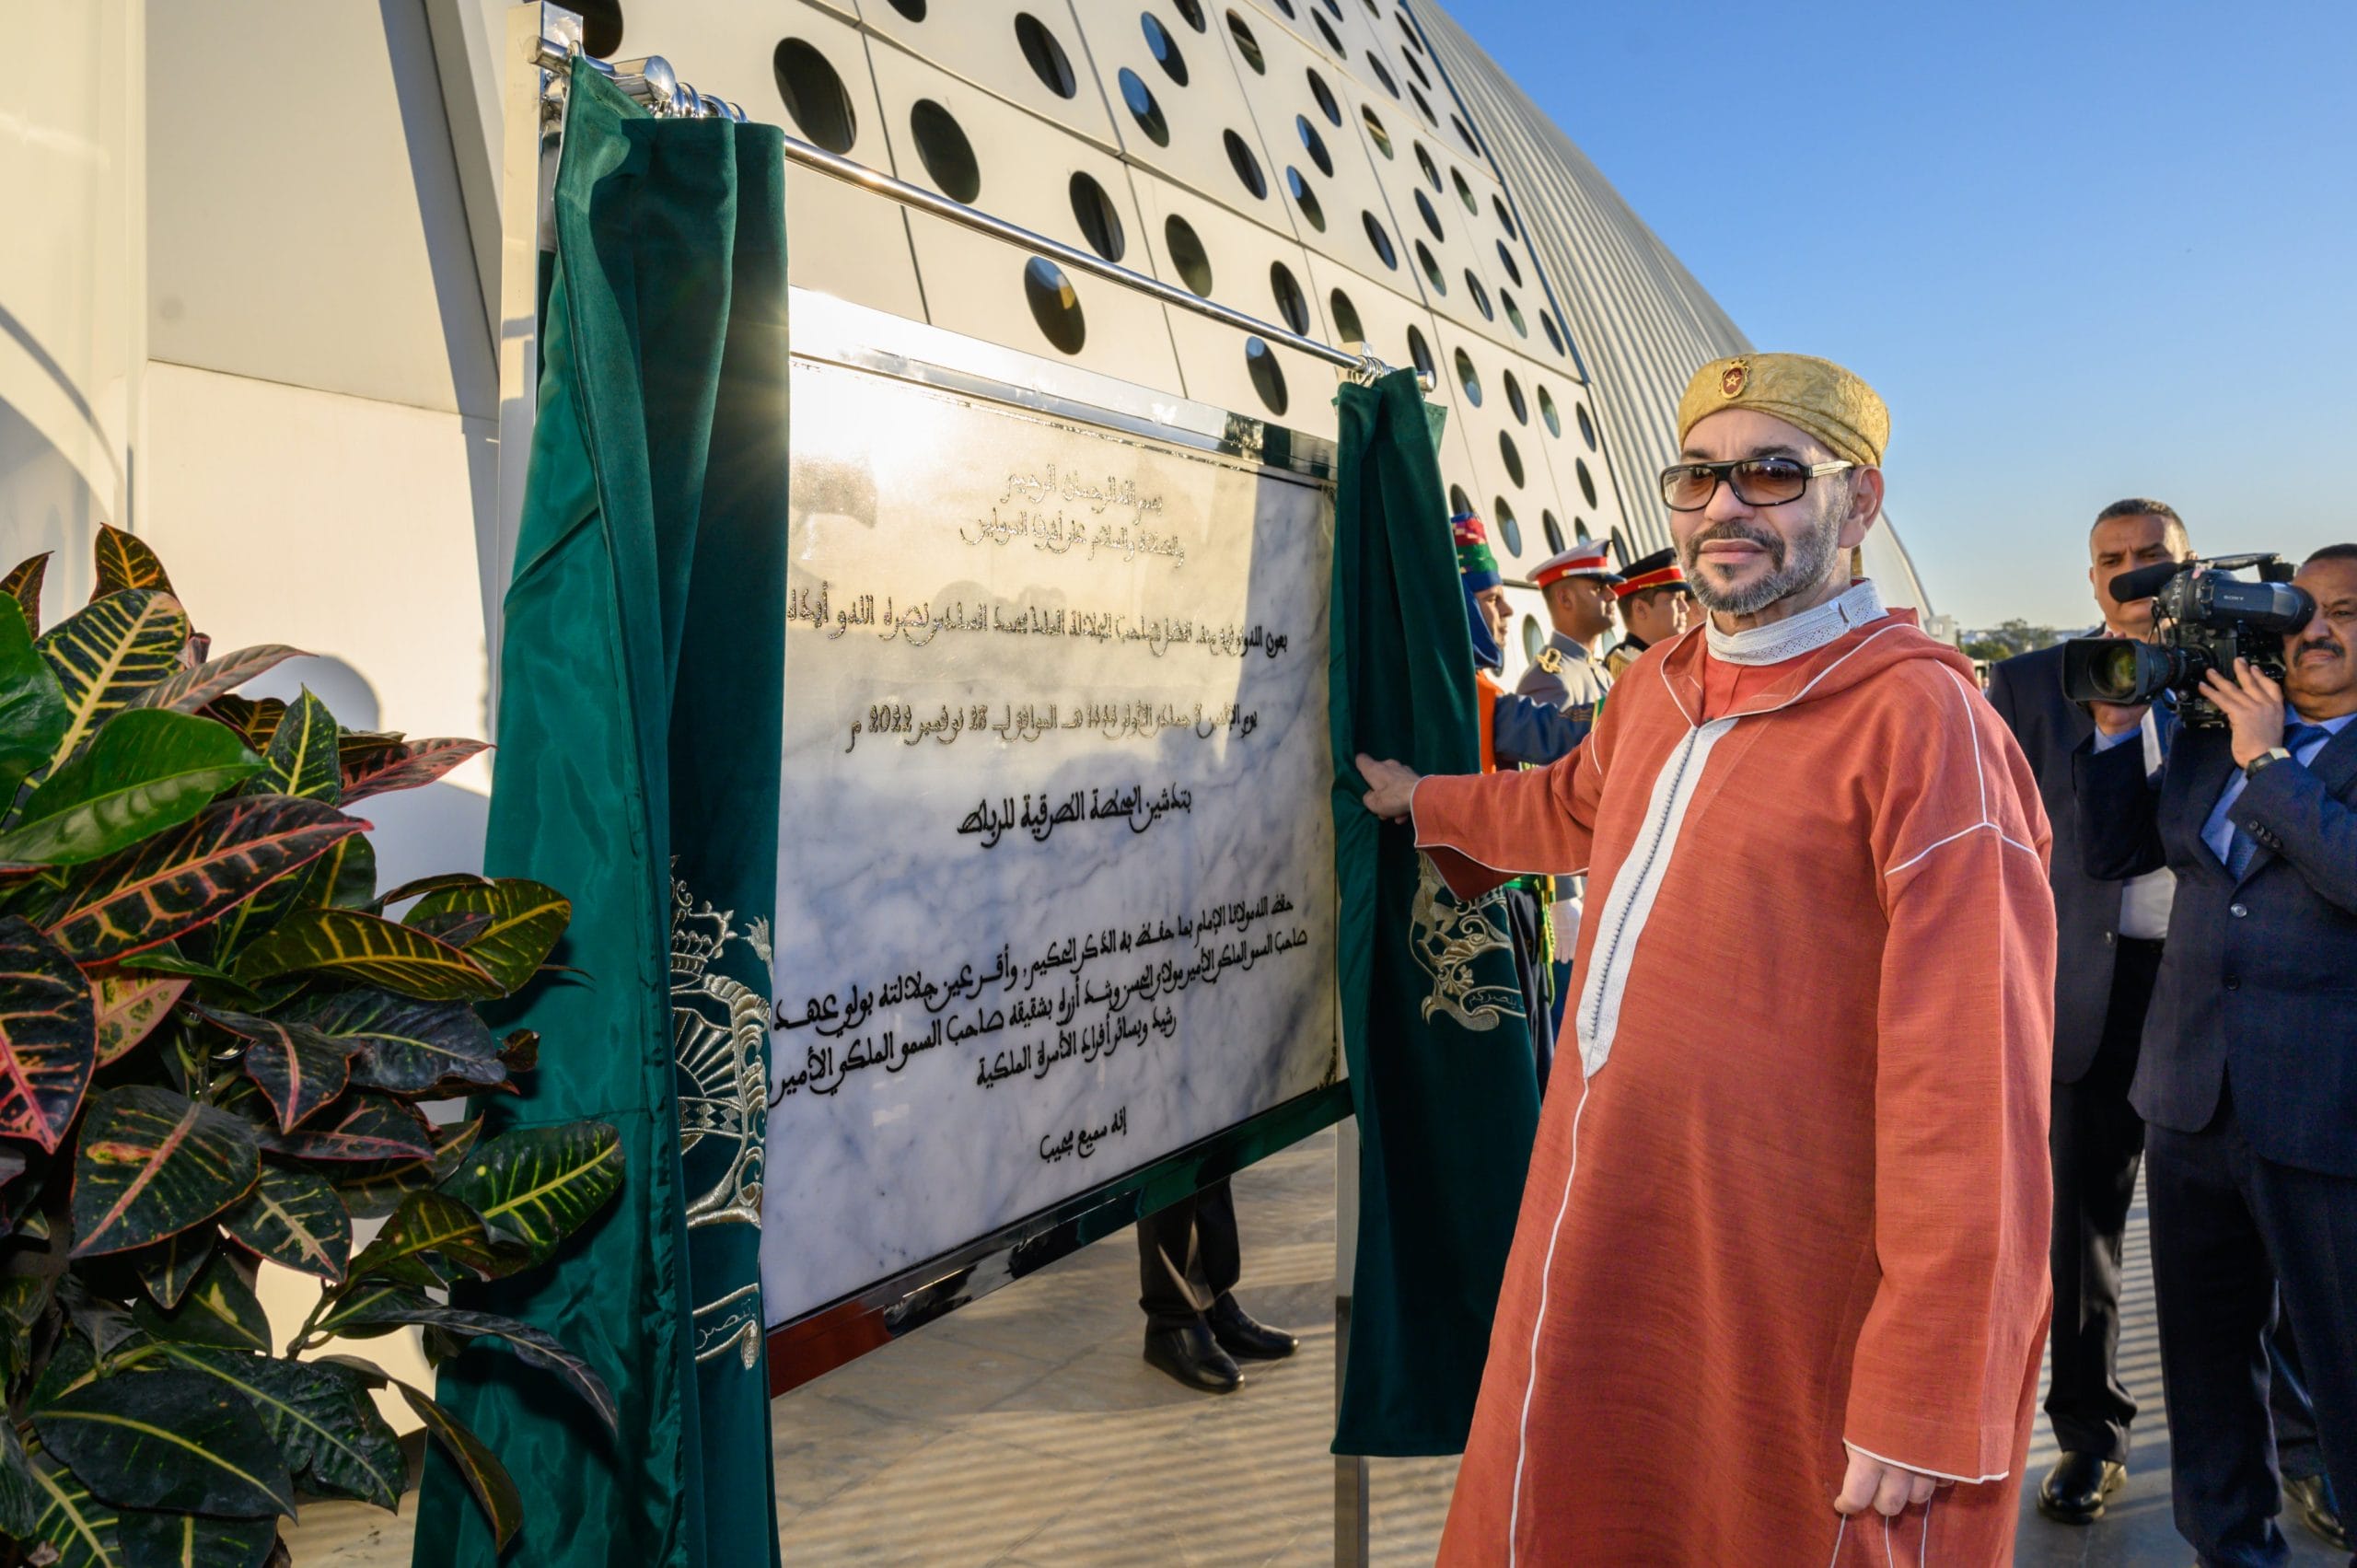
x: 2297, y: 736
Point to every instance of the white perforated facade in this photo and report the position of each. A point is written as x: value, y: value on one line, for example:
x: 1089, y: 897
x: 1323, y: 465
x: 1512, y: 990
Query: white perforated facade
x: 269, y: 316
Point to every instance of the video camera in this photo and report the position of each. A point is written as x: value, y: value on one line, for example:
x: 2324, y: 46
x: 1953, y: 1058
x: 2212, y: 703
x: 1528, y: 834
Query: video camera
x: 2202, y: 620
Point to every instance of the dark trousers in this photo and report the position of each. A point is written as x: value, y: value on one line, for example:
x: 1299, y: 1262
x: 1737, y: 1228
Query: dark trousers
x: 2096, y: 1142
x: 1188, y: 1257
x: 2297, y: 1454
x: 1525, y: 918
x: 2233, y: 1233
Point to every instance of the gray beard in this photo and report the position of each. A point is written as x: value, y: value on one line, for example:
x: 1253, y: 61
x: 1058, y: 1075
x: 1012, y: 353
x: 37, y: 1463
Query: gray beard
x: 1801, y: 567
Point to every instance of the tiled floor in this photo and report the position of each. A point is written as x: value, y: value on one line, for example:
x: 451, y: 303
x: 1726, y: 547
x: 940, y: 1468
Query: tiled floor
x: 1026, y: 1432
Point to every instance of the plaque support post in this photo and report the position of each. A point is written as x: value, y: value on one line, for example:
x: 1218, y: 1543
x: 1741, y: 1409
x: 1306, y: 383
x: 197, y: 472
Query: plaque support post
x: 1351, y: 1537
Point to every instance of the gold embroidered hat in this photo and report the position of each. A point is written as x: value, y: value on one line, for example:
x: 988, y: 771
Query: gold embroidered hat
x: 1813, y: 394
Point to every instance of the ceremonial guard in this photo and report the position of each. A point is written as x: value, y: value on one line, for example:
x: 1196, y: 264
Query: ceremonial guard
x: 1577, y: 585
x: 1655, y: 605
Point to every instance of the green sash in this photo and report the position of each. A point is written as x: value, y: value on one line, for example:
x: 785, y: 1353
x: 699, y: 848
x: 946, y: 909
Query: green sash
x: 1441, y: 1071
x: 641, y: 670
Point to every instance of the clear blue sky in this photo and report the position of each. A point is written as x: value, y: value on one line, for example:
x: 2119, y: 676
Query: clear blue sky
x: 2084, y: 251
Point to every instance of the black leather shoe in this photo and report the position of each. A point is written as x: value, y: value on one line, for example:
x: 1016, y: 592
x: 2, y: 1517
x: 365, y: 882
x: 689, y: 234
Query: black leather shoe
x: 1189, y: 1355
x: 2075, y: 1490
x: 2312, y: 1503
x: 1239, y: 1335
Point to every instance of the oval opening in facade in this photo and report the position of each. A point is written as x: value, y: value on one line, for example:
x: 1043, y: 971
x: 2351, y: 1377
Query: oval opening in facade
x: 1246, y: 167
x: 1314, y: 145
x: 1185, y: 249
x: 814, y: 96
x: 1142, y: 109
x: 1431, y: 218
x: 1348, y: 328
x: 942, y: 148
x: 1505, y: 258
x: 1291, y: 304
x: 601, y: 27
x: 1049, y: 62
x: 1054, y: 306
x: 1480, y: 293
x: 1418, y: 352
x: 1099, y: 220
x: 1327, y: 104
x: 1430, y: 265
x: 1268, y: 376
x: 1162, y: 47
x: 1247, y: 45
x: 1304, y: 198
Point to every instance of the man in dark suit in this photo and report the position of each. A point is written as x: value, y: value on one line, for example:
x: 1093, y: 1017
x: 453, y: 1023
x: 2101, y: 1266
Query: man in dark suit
x: 2108, y: 950
x: 2247, y: 1081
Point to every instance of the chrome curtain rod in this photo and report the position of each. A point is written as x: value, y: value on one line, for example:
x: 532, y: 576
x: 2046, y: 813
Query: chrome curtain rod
x: 652, y: 82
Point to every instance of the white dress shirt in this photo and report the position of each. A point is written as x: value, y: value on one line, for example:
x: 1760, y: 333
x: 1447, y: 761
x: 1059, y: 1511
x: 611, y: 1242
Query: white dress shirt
x: 2144, y: 900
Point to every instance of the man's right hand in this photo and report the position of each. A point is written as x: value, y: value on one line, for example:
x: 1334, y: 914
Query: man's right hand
x: 2116, y: 718
x: 1393, y: 786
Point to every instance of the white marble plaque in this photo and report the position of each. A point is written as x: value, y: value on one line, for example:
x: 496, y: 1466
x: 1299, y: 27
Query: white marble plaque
x: 1055, y: 890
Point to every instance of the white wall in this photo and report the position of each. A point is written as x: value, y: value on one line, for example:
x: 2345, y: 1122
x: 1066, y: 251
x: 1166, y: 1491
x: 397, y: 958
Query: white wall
x: 72, y: 290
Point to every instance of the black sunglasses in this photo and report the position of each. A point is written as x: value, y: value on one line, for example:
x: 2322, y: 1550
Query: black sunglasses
x: 1757, y: 481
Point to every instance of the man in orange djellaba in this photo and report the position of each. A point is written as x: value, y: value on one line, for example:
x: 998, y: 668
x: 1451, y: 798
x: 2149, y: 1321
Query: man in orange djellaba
x: 1779, y: 1282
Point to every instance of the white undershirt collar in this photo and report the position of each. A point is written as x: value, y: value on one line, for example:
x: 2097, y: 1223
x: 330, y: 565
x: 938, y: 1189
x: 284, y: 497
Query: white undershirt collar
x: 1797, y: 634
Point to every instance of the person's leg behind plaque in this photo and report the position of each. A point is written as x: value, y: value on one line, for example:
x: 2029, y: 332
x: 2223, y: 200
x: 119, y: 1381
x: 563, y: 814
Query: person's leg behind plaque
x: 1188, y: 1262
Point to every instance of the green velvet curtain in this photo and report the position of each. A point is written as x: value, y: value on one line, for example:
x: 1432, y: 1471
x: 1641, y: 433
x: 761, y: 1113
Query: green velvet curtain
x: 639, y: 712
x: 1441, y: 1071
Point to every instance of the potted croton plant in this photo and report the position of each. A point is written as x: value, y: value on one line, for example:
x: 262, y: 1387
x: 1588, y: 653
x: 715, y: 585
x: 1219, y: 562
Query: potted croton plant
x: 215, y: 1032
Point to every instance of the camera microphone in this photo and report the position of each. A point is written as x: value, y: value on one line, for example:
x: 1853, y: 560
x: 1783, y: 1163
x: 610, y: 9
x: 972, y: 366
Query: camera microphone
x: 2205, y: 620
x: 2144, y: 581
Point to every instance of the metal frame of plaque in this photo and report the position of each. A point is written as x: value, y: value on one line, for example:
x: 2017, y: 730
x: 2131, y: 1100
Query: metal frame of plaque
x: 830, y: 334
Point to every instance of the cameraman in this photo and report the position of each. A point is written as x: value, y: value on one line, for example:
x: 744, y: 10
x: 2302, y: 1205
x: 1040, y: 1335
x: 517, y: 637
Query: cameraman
x: 2247, y: 1081
x: 2109, y: 936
